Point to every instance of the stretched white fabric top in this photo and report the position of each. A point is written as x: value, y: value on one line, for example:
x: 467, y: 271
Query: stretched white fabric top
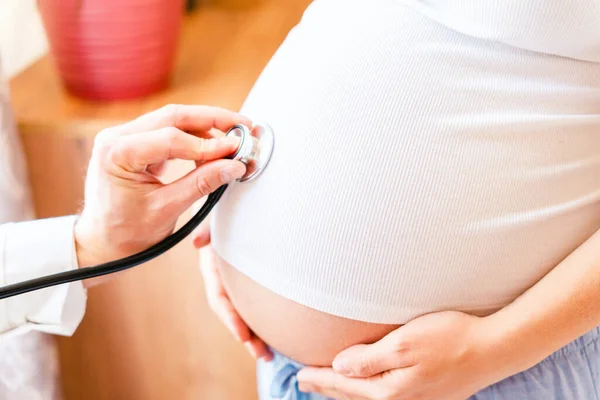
x: 568, y: 28
x: 416, y: 168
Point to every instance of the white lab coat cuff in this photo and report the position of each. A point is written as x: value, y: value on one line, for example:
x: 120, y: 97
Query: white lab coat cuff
x: 34, y: 249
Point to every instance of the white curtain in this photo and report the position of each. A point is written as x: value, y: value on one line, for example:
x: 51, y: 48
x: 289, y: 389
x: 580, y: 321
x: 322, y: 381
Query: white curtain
x: 28, y: 363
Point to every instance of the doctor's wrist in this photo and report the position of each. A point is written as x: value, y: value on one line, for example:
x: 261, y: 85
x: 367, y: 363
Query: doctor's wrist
x: 85, y: 252
x: 88, y: 250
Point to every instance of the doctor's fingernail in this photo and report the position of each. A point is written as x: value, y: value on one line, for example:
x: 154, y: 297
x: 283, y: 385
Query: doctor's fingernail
x: 232, y: 172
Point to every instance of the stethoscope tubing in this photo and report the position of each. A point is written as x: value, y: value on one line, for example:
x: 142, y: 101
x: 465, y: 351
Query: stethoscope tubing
x: 117, y: 265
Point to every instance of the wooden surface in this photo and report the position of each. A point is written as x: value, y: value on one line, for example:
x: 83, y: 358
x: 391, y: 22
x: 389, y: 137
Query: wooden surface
x: 148, y: 334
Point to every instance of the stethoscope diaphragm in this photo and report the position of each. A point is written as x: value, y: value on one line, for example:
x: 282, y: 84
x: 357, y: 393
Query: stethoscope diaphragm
x: 255, y: 150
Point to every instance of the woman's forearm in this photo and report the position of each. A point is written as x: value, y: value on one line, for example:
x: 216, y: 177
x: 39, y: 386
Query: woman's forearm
x: 562, y: 306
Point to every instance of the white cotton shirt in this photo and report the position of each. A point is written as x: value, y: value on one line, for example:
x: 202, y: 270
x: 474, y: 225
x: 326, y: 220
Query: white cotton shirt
x: 29, y: 250
x: 28, y: 361
x: 429, y: 156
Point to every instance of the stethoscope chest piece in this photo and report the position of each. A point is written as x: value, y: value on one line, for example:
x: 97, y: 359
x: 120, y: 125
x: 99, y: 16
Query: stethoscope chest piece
x: 256, y: 148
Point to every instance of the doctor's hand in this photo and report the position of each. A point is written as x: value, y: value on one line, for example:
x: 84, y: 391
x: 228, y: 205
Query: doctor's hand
x: 445, y: 356
x: 219, y: 301
x: 127, y: 208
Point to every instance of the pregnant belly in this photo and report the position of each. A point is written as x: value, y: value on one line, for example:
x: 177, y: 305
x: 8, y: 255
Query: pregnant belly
x: 299, y: 332
x: 415, y: 170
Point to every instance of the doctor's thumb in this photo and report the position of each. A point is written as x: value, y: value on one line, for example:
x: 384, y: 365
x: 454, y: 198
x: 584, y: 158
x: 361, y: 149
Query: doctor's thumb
x: 200, y: 182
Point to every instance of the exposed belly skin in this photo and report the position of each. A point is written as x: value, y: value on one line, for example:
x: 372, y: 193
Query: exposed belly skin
x: 306, y: 335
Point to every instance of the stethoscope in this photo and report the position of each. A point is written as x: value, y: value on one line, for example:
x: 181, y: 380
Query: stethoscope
x: 255, y: 150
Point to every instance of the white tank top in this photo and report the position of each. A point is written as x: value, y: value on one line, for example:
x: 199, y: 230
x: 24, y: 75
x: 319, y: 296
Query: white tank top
x: 568, y: 28
x: 428, y: 156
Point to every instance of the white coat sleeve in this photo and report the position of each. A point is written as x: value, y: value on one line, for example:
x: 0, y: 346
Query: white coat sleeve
x: 29, y: 250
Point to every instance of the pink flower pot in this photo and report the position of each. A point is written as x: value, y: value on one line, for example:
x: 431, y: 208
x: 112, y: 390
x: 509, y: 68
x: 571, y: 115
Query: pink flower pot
x: 112, y: 49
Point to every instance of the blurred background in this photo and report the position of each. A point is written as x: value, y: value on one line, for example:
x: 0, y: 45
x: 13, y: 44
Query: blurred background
x: 17, y: 49
x: 77, y: 66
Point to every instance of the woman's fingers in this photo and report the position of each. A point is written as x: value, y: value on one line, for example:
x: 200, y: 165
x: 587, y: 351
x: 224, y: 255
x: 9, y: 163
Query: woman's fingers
x: 231, y: 319
x: 258, y: 348
x: 210, y: 274
x: 192, y: 118
x: 133, y: 153
x: 217, y: 297
x: 368, y: 360
x: 219, y: 301
x: 365, y: 360
x: 221, y: 305
x: 327, y: 393
x: 328, y: 382
x: 236, y: 325
x: 201, y: 235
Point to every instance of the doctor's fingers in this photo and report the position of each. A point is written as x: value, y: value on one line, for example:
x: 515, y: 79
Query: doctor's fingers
x: 134, y: 153
x: 196, y: 119
x: 176, y: 197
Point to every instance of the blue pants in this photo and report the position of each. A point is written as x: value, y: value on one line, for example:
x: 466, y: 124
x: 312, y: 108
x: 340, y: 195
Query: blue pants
x: 571, y: 373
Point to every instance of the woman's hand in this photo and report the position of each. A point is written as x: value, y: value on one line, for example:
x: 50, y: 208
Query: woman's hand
x: 219, y: 301
x: 446, y: 355
x: 127, y: 207
x: 451, y: 355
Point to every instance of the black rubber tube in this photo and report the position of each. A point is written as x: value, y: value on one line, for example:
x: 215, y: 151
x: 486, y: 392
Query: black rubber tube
x: 117, y: 265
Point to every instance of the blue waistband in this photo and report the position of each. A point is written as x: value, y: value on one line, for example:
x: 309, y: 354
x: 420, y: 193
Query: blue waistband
x: 285, y: 385
x: 285, y: 382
